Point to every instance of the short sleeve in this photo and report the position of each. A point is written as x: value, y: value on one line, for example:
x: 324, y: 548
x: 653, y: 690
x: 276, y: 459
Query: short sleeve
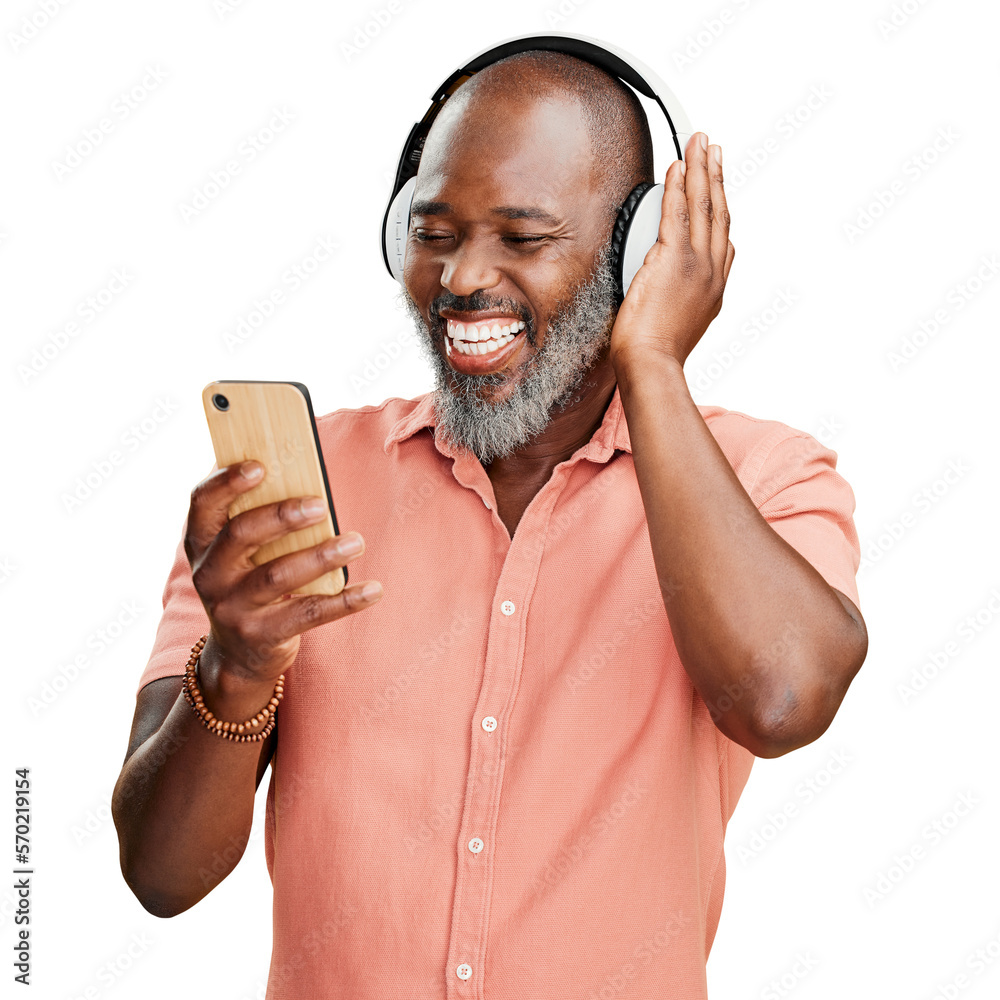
x: 810, y: 505
x: 183, y: 622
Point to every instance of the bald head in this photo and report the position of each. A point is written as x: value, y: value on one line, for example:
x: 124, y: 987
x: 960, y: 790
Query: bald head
x: 614, y: 119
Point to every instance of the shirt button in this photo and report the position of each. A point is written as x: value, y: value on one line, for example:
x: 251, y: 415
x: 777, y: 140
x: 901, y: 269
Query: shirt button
x: 489, y: 723
x: 475, y: 845
x: 464, y: 971
x: 507, y: 608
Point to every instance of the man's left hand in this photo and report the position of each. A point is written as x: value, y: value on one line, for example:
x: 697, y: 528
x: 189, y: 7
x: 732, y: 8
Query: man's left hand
x: 678, y: 290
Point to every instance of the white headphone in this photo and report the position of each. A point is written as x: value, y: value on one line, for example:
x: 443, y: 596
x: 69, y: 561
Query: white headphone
x: 638, y: 220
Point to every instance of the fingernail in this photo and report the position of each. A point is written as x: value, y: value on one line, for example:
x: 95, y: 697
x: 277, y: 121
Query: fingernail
x: 703, y: 139
x: 717, y: 153
x: 313, y: 507
x: 684, y: 168
x: 371, y: 590
x: 251, y: 470
x: 350, y: 545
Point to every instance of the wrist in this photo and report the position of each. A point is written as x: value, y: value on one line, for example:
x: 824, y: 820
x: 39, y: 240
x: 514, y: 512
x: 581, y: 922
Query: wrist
x: 634, y: 368
x: 229, y: 693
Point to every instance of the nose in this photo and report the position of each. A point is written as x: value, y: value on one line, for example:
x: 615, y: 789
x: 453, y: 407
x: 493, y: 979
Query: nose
x: 469, y: 268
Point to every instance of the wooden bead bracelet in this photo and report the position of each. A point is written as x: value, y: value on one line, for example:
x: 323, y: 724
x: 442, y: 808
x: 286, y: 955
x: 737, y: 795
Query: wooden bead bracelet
x: 241, y: 732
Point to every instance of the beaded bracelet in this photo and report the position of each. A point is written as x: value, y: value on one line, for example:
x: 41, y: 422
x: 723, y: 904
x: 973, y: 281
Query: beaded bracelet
x: 241, y: 732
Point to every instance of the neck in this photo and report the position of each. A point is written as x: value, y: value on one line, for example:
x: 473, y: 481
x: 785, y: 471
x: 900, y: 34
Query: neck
x: 517, y: 477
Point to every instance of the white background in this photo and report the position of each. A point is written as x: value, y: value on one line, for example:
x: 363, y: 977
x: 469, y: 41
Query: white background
x: 796, y: 904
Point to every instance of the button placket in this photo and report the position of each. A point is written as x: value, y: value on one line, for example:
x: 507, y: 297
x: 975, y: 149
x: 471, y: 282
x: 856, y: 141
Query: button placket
x: 501, y: 674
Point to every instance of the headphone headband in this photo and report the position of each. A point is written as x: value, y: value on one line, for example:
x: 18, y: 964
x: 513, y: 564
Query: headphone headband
x: 613, y: 61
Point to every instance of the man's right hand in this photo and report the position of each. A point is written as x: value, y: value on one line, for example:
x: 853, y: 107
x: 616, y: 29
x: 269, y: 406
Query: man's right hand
x: 255, y: 620
x: 185, y: 797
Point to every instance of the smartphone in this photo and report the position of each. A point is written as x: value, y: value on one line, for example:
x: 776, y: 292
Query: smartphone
x: 273, y: 423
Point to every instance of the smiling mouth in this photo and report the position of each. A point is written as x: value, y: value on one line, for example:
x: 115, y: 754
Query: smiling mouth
x: 482, y: 338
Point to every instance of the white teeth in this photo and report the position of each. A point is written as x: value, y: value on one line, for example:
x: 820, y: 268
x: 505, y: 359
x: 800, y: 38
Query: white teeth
x: 482, y: 347
x: 470, y: 339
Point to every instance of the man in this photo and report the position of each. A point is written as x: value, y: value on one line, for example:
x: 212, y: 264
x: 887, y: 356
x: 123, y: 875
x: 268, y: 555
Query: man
x: 512, y: 777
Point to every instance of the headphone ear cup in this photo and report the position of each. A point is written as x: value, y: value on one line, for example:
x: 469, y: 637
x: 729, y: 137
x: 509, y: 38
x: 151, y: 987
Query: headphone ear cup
x: 619, y: 234
x: 635, y: 232
x: 395, y: 227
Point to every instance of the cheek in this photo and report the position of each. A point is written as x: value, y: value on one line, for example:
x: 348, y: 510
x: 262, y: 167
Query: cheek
x: 547, y: 292
x: 418, y: 283
x: 411, y: 271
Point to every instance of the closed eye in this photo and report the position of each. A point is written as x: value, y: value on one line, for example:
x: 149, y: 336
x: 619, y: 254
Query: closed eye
x: 517, y: 240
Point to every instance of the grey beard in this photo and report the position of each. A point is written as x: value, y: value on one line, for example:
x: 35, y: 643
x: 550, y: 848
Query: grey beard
x: 549, y: 381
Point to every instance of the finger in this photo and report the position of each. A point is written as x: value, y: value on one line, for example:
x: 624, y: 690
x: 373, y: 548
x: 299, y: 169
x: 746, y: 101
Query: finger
x: 674, y: 229
x: 284, y: 574
x: 241, y: 536
x: 720, y: 211
x: 210, y: 503
x: 304, y: 611
x: 699, y: 194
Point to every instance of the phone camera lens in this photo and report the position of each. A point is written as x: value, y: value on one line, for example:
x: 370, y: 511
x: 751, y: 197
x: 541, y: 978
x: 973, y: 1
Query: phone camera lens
x: 220, y: 401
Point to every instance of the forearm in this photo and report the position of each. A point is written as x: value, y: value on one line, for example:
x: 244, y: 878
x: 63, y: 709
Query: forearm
x: 767, y: 642
x: 183, y: 804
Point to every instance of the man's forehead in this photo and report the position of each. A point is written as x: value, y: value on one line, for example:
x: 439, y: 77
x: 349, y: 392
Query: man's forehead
x: 535, y: 145
x: 430, y: 207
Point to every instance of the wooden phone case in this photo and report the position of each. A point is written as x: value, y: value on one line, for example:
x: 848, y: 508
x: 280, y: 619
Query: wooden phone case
x: 273, y: 423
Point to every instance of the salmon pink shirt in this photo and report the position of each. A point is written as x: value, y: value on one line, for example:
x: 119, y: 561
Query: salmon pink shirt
x: 499, y: 782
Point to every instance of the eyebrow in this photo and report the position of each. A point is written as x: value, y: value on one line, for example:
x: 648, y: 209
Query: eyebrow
x: 505, y: 211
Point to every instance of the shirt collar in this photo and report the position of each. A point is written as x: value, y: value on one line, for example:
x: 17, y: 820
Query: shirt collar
x: 612, y: 433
